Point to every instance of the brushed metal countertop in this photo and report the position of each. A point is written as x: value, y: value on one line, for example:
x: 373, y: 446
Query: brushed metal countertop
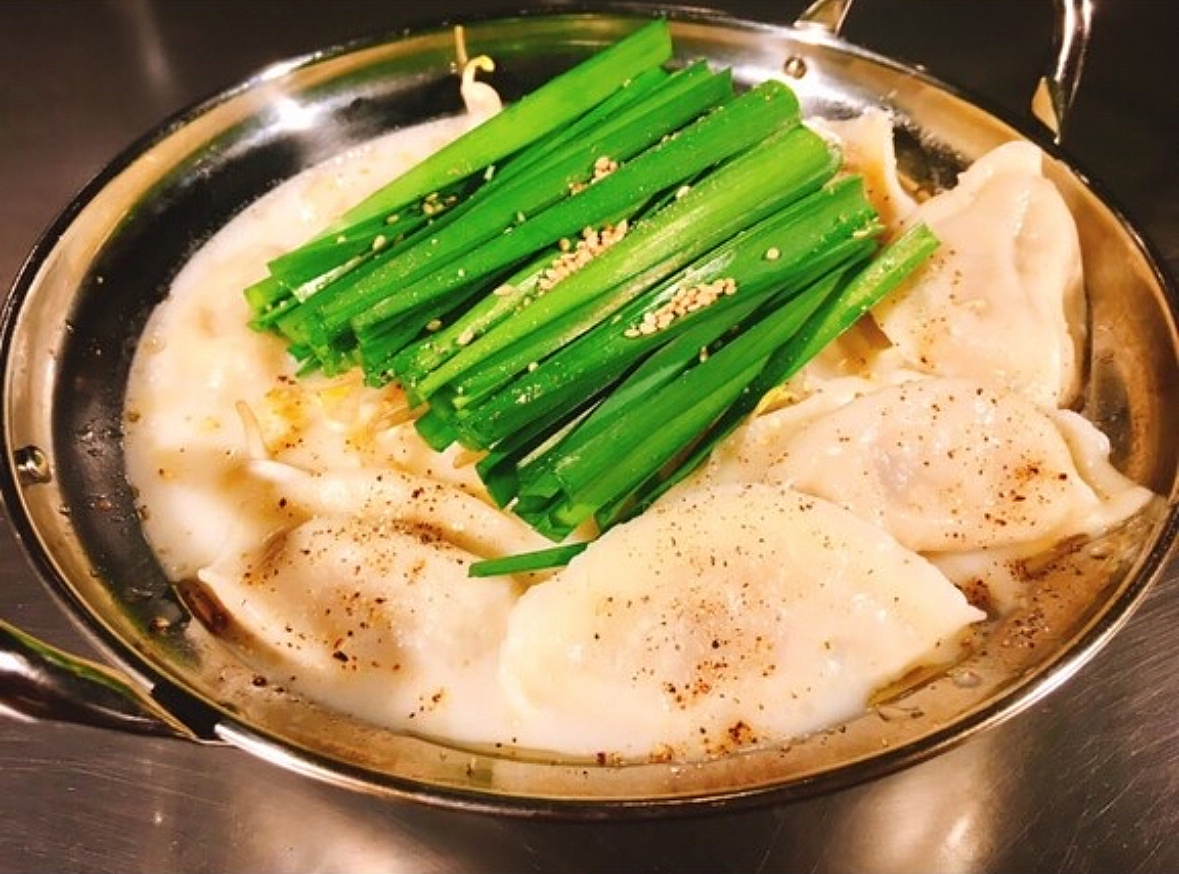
x: 1086, y: 780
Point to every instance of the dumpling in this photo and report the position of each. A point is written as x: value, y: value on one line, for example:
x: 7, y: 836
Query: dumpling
x: 748, y: 454
x: 1002, y: 299
x: 463, y: 519
x: 866, y: 142
x: 725, y: 616
x: 363, y: 599
x: 374, y: 617
x: 954, y: 465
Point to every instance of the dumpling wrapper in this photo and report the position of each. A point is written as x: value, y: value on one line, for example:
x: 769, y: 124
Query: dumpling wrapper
x: 1002, y: 299
x: 362, y: 598
x: 866, y: 142
x: 374, y: 617
x: 954, y: 465
x: 723, y: 617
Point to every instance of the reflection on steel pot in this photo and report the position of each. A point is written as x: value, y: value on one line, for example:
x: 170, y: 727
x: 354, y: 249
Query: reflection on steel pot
x: 67, y: 351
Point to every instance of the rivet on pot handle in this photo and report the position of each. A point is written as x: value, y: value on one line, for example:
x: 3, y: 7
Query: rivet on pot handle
x: 1053, y: 97
x: 38, y: 681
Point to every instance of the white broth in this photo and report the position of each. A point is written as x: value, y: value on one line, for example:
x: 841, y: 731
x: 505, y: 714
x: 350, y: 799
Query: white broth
x: 810, y: 563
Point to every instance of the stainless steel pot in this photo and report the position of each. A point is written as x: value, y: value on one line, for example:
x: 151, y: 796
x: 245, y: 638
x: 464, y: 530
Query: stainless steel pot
x: 72, y: 320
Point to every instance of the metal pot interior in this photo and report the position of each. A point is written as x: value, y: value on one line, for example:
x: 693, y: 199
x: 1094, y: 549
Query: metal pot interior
x: 72, y: 325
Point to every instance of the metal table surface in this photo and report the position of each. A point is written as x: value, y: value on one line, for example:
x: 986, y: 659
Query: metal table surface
x: 1086, y: 780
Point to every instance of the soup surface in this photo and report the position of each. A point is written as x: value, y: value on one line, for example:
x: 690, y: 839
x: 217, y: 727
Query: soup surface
x: 877, y: 511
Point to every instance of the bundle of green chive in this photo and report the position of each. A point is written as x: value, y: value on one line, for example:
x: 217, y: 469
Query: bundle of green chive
x: 727, y: 250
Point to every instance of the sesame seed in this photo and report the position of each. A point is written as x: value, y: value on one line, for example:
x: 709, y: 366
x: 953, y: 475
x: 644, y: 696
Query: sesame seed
x: 573, y: 257
x: 603, y: 167
x: 684, y: 300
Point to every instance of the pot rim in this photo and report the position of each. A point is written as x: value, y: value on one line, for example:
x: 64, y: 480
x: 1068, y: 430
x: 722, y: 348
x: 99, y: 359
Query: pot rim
x: 201, y: 719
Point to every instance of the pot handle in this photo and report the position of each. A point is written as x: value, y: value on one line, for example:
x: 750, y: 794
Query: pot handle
x: 38, y: 681
x: 1053, y: 97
